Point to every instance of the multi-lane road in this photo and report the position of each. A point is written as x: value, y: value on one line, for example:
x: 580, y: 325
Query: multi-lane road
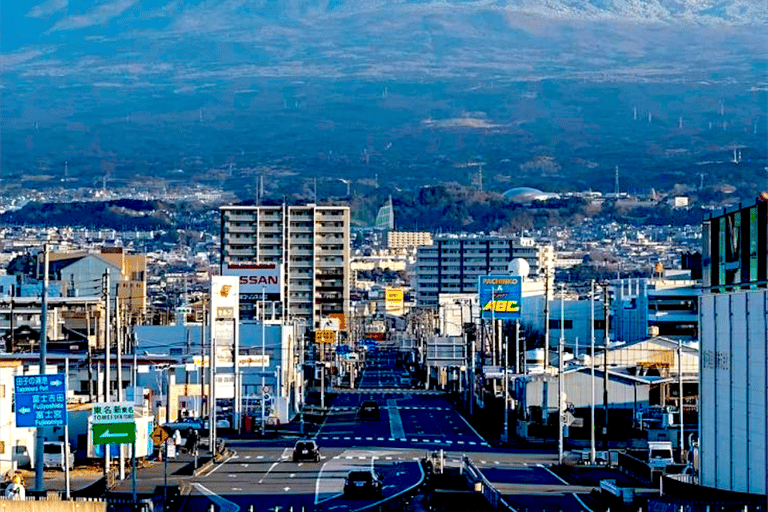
x: 412, y: 423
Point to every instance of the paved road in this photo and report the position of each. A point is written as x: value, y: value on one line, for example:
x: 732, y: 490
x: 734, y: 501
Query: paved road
x: 266, y: 478
x: 412, y: 424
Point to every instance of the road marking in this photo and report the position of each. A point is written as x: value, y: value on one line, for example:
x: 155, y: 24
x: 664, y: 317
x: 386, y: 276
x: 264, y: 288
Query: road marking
x: 472, y: 428
x: 274, y: 464
x: 292, y: 475
x: 396, y: 429
x: 224, y: 505
x: 286, y: 489
x: 472, y: 442
x: 259, y: 456
x: 545, y: 468
x: 576, y: 496
x: 379, y: 438
x: 460, y: 442
x: 244, y: 465
x: 217, y: 466
x: 232, y: 476
x: 236, y: 489
x: 358, y: 439
x: 369, y: 439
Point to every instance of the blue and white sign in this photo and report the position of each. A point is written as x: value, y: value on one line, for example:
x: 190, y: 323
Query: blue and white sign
x: 500, y: 297
x: 41, y: 400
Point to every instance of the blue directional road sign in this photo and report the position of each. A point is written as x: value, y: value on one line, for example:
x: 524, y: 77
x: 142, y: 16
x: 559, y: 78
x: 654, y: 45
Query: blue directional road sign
x: 41, y: 400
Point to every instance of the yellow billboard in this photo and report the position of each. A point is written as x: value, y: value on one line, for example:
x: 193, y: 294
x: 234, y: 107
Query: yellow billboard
x: 325, y: 336
x: 394, y: 301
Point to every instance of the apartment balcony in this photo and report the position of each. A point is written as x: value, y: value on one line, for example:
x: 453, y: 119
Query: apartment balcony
x: 329, y: 229
x: 270, y: 229
x: 301, y: 229
x: 329, y: 274
x: 330, y: 264
x: 330, y: 252
x: 239, y: 229
x: 234, y: 216
x: 270, y: 251
x: 240, y: 252
x: 330, y: 217
x: 300, y: 264
x: 238, y: 240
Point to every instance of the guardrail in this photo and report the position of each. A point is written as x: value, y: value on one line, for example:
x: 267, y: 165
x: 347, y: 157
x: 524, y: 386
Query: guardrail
x: 481, y: 484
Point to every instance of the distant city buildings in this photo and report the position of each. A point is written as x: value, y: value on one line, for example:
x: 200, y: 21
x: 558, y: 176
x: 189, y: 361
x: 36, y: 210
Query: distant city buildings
x: 408, y: 239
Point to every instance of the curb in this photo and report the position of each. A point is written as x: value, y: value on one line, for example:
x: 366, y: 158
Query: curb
x: 216, y: 460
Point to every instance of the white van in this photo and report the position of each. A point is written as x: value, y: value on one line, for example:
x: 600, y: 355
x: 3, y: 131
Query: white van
x: 53, y: 455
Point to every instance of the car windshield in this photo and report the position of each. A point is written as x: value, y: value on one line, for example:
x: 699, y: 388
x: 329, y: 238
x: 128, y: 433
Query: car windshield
x: 304, y: 446
x: 360, y: 475
x: 52, y: 448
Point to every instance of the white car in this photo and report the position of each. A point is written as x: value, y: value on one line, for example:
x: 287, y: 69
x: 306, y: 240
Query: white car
x: 53, y: 455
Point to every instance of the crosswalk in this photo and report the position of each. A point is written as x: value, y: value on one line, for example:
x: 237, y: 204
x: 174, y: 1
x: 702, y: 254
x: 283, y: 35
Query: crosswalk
x: 381, y: 391
x: 407, y: 439
x: 351, y: 408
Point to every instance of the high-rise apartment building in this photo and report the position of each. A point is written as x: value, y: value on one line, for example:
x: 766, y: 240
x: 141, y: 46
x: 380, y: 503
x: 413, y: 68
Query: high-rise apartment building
x: 453, y: 263
x: 310, y: 242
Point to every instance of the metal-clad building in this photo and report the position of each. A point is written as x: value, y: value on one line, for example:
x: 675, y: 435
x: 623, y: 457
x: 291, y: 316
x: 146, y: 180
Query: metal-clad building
x: 734, y: 345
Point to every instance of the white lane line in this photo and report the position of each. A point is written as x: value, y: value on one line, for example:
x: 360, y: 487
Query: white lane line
x: 218, y: 466
x: 224, y: 505
x: 421, y: 479
x: 472, y: 428
x: 274, y: 464
x: 545, y: 468
x: 576, y: 496
x: 292, y: 475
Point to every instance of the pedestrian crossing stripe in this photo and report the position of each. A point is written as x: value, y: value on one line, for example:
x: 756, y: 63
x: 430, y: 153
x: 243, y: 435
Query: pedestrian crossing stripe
x: 404, y: 440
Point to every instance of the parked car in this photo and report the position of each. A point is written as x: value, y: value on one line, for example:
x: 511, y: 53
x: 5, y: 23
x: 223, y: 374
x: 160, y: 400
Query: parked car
x: 306, y: 450
x: 21, y: 456
x: 364, y: 482
x: 53, y: 455
x: 369, y: 410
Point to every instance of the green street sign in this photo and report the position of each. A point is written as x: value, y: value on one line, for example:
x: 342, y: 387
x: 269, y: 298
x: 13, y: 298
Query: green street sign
x: 114, y: 433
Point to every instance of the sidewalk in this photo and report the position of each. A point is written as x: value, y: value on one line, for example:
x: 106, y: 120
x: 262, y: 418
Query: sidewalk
x: 156, y: 473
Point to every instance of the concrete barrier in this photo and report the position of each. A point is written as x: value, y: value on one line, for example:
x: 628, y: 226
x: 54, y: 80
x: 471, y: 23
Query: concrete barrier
x: 53, y: 506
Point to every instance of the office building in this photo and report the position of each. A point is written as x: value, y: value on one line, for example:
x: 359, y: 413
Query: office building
x: 733, y: 430
x: 310, y: 243
x: 453, y: 263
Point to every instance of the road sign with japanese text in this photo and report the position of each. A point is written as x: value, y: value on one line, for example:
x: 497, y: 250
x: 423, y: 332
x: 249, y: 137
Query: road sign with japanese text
x: 41, y: 400
x: 112, y: 412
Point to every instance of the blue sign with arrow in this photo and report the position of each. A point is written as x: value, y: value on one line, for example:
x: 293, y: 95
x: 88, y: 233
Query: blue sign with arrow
x: 41, y: 400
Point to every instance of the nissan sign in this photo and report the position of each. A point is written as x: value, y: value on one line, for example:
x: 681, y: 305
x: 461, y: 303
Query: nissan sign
x: 256, y: 277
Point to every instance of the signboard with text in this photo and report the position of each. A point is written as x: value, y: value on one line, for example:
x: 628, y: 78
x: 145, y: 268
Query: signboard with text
x: 225, y: 316
x: 394, y: 301
x: 500, y: 297
x: 254, y: 278
x: 112, y: 412
x: 41, y: 400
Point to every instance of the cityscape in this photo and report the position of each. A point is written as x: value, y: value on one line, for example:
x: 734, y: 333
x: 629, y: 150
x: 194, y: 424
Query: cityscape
x: 328, y: 256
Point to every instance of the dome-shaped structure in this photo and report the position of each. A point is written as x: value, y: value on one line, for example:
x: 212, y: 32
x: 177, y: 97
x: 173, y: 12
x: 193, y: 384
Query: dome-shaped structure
x: 528, y: 194
x: 519, y: 267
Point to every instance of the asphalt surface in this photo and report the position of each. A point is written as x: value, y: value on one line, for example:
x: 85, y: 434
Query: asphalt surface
x: 260, y: 475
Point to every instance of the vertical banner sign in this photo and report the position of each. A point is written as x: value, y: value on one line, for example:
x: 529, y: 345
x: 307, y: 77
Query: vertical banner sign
x: 225, y: 316
x: 500, y: 297
x: 394, y: 301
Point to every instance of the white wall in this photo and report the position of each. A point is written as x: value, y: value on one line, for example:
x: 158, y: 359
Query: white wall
x: 734, y: 388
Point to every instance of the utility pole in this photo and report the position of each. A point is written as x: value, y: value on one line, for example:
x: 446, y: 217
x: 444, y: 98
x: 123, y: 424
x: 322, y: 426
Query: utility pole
x: 560, y: 381
x: 120, y: 391
x: 546, y: 319
x: 607, y: 314
x: 107, y: 362
x: 40, y: 432
x: 505, y: 343
x: 202, y: 357
x: 592, y: 371
x: 680, y: 379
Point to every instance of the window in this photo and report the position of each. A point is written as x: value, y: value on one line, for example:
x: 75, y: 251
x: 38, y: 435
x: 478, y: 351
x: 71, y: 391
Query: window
x: 555, y: 324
